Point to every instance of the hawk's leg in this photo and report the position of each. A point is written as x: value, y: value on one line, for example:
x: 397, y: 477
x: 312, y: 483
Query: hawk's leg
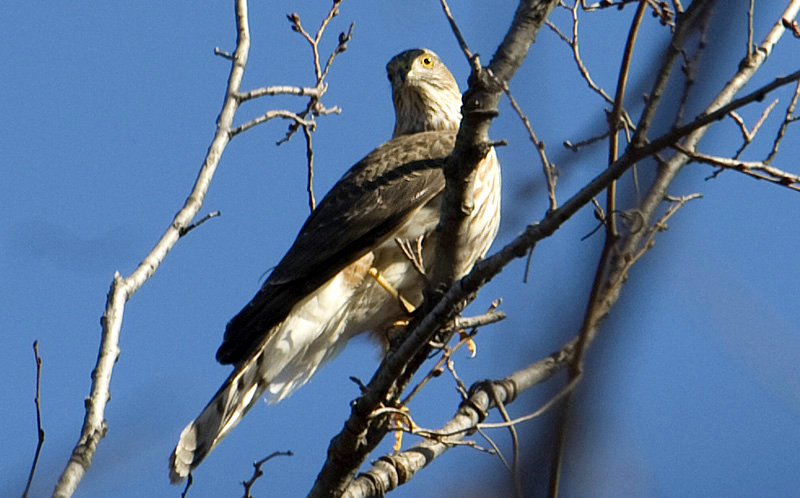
x: 404, y: 303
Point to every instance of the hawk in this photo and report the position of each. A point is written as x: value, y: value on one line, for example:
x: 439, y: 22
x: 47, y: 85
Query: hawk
x: 358, y: 258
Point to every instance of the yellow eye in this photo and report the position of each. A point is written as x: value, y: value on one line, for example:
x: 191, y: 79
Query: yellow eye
x: 426, y: 61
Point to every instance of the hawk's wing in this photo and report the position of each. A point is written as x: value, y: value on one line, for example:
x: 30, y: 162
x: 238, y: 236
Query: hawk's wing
x: 368, y: 204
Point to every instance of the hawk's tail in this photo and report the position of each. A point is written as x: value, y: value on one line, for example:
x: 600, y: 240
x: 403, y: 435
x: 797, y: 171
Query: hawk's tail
x: 236, y: 396
x: 288, y: 359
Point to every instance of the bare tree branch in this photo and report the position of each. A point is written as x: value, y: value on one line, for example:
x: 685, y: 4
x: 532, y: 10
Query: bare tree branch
x: 314, y: 106
x: 40, y: 431
x: 487, y: 318
x: 759, y: 170
x: 392, y: 471
x: 574, y: 45
x: 615, y: 121
x: 94, y: 425
x: 351, y: 446
x: 457, y: 32
x: 123, y: 288
x: 749, y: 135
x: 183, y: 231
x: 350, y: 443
x: 516, y: 476
x: 281, y: 90
x: 614, y: 265
x: 549, y: 170
x: 257, y: 472
x: 788, y: 118
x: 272, y: 114
x: 312, y: 203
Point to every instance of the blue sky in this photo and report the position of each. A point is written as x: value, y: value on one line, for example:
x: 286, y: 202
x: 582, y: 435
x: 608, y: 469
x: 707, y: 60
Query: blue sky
x: 691, y: 389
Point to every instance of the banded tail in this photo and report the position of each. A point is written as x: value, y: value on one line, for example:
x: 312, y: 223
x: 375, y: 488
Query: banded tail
x: 236, y: 396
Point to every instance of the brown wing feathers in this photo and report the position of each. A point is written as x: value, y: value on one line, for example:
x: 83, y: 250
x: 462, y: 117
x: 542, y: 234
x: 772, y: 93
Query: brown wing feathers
x: 368, y: 204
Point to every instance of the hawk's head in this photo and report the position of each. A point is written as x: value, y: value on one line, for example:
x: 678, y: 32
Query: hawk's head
x: 425, y: 94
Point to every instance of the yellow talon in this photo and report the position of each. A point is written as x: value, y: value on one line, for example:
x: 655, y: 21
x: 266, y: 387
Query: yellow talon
x: 401, y: 421
x: 407, y: 306
x: 398, y: 441
x: 471, y: 345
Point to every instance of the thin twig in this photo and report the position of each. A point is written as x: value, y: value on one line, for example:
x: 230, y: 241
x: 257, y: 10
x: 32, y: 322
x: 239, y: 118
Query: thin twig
x: 649, y: 237
x: 40, y: 431
x: 298, y: 27
x: 549, y: 169
x: 583, y: 143
x: 749, y: 52
x: 257, y: 472
x: 223, y: 54
x: 460, y: 386
x: 574, y: 47
x: 272, y: 114
x: 487, y: 318
x: 443, y: 435
x: 314, y: 42
x: 615, y: 120
x: 473, y: 322
x: 749, y: 135
x: 495, y: 448
x: 538, y: 413
x: 312, y: 204
x: 573, y: 43
x: 528, y: 261
x: 459, y: 37
x: 340, y: 47
x: 690, y: 66
x: 786, y: 121
x: 759, y: 170
x: 184, y: 230
x: 516, y: 476
x: 281, y: 90
x: 314, y: 106
x: 558, y: 32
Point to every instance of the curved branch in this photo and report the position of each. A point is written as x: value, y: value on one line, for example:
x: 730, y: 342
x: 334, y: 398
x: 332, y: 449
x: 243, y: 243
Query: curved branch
x: 94, y: 424
x: 392, y: 471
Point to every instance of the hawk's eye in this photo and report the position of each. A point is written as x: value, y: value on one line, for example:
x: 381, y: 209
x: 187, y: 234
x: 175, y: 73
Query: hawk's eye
x: 426, y: 61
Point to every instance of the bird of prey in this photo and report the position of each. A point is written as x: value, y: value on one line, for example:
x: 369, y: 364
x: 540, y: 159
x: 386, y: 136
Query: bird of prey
x: 358, y: 262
